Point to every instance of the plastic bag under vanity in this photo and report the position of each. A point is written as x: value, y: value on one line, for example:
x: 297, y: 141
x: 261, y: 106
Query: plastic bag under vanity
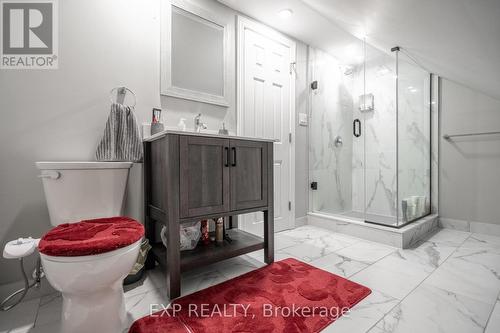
x: 138, y: 269
x: 189, y: 235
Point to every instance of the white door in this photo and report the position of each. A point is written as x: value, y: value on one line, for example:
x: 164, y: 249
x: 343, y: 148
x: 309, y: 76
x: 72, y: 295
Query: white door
x: 266, y: 108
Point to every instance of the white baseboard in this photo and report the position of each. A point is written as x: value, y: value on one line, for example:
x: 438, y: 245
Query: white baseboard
x: 470, y: 226
x: 300, y: 221
x: 485, y: 228
x: 455, y: 224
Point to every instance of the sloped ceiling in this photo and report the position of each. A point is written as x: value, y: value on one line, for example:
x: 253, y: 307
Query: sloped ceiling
x: 306, y: 24
x: 457, y: 39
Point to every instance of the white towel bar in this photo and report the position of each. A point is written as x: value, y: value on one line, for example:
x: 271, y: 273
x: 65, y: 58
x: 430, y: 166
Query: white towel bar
x: 449, y: 137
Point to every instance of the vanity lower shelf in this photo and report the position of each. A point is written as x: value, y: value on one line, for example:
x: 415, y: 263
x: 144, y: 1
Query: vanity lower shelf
x: 242, y: 243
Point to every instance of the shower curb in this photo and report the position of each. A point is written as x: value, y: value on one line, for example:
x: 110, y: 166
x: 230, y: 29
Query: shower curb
x: 404, y: 237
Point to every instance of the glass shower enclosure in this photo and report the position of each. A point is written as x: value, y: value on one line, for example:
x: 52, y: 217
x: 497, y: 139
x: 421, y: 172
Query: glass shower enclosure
x: 370, y: 136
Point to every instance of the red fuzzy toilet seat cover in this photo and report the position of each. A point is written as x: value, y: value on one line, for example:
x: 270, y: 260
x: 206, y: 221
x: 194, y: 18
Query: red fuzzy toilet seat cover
x: 90, y: 237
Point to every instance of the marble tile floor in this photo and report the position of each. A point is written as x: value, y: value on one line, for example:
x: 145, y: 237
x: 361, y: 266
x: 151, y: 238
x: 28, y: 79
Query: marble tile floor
x: 447, y: 283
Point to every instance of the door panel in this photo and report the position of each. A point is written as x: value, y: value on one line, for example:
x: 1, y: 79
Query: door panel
x: 266, y: 112
x: 277, y: 190
x: 204, y: 181
x: 248, y: 174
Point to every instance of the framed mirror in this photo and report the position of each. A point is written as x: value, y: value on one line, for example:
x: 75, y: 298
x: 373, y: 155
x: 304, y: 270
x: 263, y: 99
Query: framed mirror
x: 194, y: 54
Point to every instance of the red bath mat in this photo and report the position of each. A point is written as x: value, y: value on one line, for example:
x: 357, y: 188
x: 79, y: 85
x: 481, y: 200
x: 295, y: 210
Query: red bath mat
x: 286, y: 296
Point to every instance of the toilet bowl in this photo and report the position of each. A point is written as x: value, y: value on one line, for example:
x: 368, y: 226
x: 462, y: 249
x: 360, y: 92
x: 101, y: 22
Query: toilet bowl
x: 90, y: 283
x: 91, y: 288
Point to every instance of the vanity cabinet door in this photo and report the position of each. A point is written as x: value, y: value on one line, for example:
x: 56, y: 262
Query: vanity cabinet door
x: 204, y: 176
x: 248, y: 161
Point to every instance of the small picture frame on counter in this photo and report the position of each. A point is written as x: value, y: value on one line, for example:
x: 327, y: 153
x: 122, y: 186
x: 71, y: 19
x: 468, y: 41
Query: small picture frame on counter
x: 156, y: 124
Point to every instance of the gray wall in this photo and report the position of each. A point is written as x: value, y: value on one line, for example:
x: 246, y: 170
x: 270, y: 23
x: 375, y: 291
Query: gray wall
x: 469, y: 167
x: 60, y: 114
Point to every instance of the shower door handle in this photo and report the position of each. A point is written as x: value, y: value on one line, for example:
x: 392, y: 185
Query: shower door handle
x: 356, y: 128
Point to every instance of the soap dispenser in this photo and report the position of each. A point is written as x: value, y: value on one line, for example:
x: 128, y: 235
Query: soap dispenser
x: 182, y: 124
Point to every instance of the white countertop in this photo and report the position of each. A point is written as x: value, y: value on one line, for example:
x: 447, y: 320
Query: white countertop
x: 211, y: 135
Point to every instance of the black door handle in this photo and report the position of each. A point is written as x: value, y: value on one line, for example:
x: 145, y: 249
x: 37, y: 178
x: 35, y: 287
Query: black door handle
x: 356, y: 128
x: 226, y: 156
x: 234, y: 156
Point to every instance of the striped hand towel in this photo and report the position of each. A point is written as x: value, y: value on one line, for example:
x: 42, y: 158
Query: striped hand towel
x: 121, y: 140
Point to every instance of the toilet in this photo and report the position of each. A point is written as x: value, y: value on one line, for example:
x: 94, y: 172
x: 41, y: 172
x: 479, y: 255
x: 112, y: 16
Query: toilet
x: 91, y: 248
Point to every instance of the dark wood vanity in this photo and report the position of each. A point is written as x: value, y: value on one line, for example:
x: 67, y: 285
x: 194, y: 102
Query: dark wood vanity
x: 192, y: 177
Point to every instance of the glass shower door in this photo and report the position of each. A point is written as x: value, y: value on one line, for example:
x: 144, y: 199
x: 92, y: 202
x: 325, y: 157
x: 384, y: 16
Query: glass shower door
x: 331, y: 142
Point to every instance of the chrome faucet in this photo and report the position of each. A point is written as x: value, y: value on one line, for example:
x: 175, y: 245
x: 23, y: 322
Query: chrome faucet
x: 198, y: 125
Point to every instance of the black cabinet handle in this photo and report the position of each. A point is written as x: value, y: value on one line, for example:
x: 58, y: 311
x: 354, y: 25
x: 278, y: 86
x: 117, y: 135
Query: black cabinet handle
x: 226, y: 156
x: 234, y: 156
x: 356, y: 128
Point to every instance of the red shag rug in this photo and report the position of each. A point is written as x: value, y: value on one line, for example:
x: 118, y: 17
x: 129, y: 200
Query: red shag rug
x: 287, y: 296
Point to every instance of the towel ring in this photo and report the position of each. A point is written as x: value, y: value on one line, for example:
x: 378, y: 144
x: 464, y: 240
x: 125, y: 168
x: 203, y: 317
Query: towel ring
x: 117, y: 95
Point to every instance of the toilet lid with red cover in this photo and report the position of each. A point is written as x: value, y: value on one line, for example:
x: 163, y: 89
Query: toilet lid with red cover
x: 89, y: 237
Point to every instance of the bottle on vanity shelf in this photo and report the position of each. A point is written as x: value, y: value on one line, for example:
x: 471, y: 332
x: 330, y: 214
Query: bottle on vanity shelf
x: 219, y: 230
x: 205, y: 237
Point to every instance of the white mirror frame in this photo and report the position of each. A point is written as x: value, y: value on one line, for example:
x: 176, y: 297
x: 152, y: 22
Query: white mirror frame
x: 167, y: 88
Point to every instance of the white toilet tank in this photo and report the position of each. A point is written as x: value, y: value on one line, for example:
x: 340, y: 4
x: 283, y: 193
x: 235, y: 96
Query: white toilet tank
x: 76, y: 191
